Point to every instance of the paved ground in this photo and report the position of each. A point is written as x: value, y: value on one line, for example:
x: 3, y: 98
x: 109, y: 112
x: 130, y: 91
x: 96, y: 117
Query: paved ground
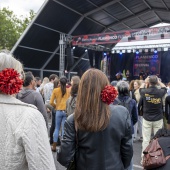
x: 58, y: 166
x: 137, y: 147
x: 136, y: 158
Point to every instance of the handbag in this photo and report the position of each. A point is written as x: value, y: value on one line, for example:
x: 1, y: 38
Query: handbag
x: 140, y: 111
x: 153, y: 155
x: 72, y: 164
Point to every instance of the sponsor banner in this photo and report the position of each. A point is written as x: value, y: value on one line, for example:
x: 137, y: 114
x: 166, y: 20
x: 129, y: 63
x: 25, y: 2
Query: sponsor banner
x: 124, y: 36
x: 147, y: 64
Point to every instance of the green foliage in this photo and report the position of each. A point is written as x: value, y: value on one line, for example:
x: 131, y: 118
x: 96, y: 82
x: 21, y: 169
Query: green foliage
x: 12, y: 27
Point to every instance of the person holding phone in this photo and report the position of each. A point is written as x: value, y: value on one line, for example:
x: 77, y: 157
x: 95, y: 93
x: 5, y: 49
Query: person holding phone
x: 151, y: 97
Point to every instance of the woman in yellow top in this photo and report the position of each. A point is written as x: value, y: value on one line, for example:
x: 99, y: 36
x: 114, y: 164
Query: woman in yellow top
x: 58, y: 101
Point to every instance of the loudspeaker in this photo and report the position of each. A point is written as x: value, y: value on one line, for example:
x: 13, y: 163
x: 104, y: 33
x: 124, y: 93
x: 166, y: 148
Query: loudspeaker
x: 162, y: 36
x: 131, y: 39
x: 95, y: 58
x: 70, y: 58
x: 145, y: 37
x: 91, y: 54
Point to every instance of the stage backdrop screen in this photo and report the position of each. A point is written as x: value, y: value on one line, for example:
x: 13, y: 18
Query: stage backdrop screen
x: 147, y: 63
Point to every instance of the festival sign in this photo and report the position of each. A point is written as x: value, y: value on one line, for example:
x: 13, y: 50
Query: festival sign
x: 147, y: 63
x: 130, y: 35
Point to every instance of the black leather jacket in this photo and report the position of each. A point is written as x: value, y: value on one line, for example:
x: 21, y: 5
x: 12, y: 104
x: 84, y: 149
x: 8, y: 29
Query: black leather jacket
x: 110, y: 149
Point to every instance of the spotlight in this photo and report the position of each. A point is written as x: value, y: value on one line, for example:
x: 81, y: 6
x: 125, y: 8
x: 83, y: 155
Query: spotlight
x: 113, y: 51
x: 120, y: 52
x: 86, y: 50
x: 155, y: 51
x: 165, y: 49
x: 137, y: 52
x: 140, y: 50
x: 123, y: 51
x: 159, y: 49
x: 117, y: 51
x: 146, y: 50
x: 104, y: 54
x: 74, y: 48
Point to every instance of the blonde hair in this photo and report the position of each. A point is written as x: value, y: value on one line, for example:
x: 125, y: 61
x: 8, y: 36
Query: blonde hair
x: 8, y: 61
x: 45, y: 80
x: 138, y: 82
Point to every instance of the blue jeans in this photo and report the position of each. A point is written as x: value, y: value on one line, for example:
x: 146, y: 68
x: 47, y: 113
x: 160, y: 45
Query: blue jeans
x: 60, y: 118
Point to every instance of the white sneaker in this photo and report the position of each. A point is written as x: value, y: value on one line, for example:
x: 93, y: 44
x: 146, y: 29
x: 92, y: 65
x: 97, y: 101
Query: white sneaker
x: 134, y: 140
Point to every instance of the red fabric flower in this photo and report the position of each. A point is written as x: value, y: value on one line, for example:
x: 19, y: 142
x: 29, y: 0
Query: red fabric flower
x: 108, y: 94
x: 10, y: 81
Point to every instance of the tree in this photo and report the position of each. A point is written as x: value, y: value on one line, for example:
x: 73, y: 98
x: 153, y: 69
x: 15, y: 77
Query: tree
x: 11, y: 27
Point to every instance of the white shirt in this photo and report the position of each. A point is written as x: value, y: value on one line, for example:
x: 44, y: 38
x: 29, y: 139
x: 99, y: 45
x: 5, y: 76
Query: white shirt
x: 48, y: 89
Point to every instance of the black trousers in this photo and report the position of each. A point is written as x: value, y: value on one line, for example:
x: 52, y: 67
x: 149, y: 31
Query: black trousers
x: 52, y: 128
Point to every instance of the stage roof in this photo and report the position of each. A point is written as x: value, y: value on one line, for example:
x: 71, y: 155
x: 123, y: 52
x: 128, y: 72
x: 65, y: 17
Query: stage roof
x: 38, y: 47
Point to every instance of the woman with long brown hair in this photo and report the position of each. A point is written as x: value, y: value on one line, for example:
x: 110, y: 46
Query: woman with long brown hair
x: 101, y: 131
x: 71, y: 102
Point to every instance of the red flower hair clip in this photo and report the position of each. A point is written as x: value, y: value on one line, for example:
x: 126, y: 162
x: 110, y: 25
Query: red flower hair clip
x: 108, y: 94
x: 10, y: 81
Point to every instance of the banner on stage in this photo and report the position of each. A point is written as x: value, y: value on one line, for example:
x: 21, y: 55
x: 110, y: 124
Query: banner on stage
x: 146, y: 63
x: 125, y: 36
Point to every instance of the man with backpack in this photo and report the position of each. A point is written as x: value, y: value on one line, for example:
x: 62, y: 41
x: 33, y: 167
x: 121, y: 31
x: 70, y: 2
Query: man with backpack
x: 125, y: 100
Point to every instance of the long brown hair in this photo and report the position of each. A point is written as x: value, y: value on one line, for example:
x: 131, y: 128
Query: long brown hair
x: 131, y: 85
x: 91, y: 114
x: 75, y: 79
x: 63, y: 81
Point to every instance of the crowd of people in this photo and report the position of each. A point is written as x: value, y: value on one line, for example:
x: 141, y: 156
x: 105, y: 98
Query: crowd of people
x: 94, y: 122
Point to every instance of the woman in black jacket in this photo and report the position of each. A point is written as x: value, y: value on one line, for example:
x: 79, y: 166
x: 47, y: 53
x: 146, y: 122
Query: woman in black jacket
x: 104, y: 131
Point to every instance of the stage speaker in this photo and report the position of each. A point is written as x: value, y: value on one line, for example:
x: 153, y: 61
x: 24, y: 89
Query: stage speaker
x: 131, y: 39
x: 91, y: 57
x: 145, y: 37
x: 95, y: 58
x: 70, y: 58
x: 162, y: 36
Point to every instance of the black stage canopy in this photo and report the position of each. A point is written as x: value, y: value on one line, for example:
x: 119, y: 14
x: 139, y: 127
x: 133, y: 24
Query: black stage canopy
x: 38, y: 47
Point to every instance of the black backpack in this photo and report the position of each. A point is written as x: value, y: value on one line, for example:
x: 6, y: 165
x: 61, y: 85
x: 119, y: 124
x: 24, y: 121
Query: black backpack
x: 125, y: 104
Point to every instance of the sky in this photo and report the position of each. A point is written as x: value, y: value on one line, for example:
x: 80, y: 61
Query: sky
x: 22, y: 7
